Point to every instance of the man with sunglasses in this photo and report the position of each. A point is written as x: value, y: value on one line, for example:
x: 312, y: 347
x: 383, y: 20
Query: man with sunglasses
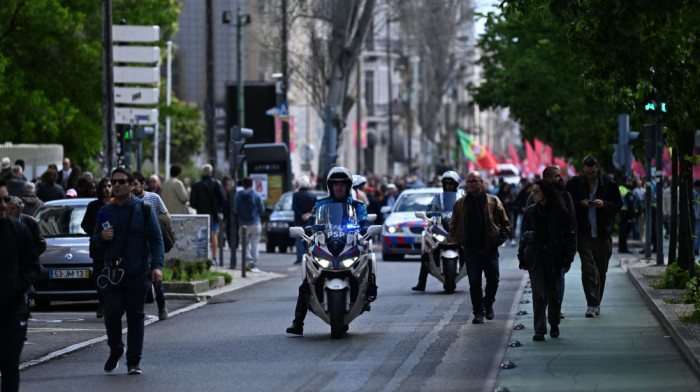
x: 596, y: 200
x: 480, y: 225
x: 132, y: 245
x: 19, y: 268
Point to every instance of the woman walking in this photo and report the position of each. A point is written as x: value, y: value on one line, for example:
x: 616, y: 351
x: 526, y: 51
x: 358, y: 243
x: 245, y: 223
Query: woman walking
x: 547, y: 249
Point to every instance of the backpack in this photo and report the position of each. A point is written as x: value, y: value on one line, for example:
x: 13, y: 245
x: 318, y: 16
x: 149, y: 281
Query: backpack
x: 247, y: 207
x: 165, y: 228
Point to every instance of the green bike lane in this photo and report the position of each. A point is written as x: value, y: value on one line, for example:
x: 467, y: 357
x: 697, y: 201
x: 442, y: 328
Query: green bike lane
x: 626, y: 348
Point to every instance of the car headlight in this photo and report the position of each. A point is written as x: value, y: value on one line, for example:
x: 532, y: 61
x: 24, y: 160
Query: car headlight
x: 393, y: 229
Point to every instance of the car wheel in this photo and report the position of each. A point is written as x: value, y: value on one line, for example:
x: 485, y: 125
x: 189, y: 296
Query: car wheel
x: 270, y: 247
x: 392, y: 257
x: 282, y: 249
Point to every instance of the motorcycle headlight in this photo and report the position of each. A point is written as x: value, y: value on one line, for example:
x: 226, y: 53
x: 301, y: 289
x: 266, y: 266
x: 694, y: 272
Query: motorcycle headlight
x: 322, y: 262
x: 439, y: 237
x: 393, y: 229
x: 347, y: 263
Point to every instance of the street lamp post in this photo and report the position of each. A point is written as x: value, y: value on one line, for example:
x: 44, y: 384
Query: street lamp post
x: 390, y: 155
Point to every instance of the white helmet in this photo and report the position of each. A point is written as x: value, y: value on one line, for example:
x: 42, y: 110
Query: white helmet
x: 358, y: 180
x: 449, y: 176
x: 339, y: 174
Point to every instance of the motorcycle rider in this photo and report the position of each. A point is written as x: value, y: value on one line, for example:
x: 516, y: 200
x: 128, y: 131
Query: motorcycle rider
x: 450, y: 183
x: 339, y: 183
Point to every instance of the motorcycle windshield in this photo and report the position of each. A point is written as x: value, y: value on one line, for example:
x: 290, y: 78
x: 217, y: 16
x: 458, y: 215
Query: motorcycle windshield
x: 337, y: 217
x: 448, y: 201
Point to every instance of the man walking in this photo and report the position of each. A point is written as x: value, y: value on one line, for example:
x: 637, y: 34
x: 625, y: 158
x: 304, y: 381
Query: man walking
x: 133, y: 251
x: 480, y: 225
x: 207, y: 198
x: 174, y: 193
x: 19, y: 268
x: 15, y: 208
x: 248, y: 206
x: 303, y: 201
x: 596, y: 199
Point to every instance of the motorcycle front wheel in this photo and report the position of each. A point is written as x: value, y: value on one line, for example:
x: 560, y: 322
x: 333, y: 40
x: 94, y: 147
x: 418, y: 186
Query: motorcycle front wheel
x: 449, y: 268
x: 336, y: 310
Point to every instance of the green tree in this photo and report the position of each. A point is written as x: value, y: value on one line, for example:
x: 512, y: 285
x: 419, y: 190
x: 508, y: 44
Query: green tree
x: 50, y: 68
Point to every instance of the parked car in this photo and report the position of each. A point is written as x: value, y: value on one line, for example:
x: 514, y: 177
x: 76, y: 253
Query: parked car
x: 66, y: 266
x: 402, y: 231
x: 281, y: 219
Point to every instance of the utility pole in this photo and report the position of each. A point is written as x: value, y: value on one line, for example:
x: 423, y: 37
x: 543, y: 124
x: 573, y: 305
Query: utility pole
x: 108, y: 135
x: 209, y: 106
x: 285, y: 77
x: 390, y: 155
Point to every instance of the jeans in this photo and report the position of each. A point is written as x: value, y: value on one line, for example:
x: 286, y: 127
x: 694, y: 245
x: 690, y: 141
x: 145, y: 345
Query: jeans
x: 486, y: 262
x: 595, y: 255
x: 301, y: 248
x: 160, y: 295
x: 545, y: 284
x: 128, y: 297
x: 252, y: 239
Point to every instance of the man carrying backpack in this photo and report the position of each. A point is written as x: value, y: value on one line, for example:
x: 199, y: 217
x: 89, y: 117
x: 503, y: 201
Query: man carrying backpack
x: 248, y: 205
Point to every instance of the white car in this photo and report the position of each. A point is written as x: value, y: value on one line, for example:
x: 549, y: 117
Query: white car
x: 402, y: 231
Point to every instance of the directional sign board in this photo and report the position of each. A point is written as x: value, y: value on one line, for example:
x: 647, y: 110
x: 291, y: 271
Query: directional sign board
x: 141, y: 75
x: 136, y: 54
x: 135, y: 33
x: 136, y: 95
x: 135, y: 116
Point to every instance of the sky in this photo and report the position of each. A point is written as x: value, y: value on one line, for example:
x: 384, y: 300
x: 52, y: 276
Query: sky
x: 483, y: 6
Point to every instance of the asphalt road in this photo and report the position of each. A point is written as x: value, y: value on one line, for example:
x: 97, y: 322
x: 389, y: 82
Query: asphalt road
x: 409, y: 341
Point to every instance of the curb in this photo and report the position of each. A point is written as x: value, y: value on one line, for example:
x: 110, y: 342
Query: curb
x: 680, y: 334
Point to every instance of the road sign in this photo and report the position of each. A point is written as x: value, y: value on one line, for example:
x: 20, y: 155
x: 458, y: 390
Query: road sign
x: 121, y: 33
x: 136, y: 116
x: 136, y: 54
x: 282, y: 110
x: 142, y: 75
x: 136, y: 95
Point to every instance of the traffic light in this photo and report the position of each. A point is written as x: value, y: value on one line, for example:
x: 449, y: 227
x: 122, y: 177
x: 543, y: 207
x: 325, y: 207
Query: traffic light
x: 652, y: 105
x: 622, y: 157
x: 236, y: 145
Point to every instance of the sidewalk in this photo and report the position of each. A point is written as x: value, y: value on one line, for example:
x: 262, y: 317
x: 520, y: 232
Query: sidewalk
x: 635, y: 344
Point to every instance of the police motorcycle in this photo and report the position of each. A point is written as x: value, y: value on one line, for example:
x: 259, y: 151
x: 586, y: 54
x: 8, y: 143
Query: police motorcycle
x: 339, y: 265
x: 439, y: 254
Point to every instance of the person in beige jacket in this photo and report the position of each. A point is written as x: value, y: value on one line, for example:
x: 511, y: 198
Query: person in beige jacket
x: 174, y: 194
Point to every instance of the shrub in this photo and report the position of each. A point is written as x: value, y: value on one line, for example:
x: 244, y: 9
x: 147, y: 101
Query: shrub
x: 674, y: 278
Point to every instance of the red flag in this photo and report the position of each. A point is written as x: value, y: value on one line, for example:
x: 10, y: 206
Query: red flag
x: 502, y: 157
x: 513, y: 154
x: 638, y: 168
x: 547, y: 158
x: 532, y: 162
x: 484, y: 158
x: 561, y: 163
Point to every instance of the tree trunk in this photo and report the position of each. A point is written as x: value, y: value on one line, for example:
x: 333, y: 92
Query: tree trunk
x: 673, y: 224
x: 686, y: 258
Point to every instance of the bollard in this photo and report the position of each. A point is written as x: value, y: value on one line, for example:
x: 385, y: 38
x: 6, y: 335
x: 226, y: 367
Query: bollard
x: 244, y: 245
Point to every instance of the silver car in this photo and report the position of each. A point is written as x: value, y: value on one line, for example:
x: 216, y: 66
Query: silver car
x: 66, y: 266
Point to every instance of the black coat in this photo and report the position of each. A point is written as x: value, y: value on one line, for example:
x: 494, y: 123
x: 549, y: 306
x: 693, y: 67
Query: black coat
x: 303, y: 201
x: 207, y: 196
x: 33, y: 227
x: 554, y: 239
x: 607, y: 191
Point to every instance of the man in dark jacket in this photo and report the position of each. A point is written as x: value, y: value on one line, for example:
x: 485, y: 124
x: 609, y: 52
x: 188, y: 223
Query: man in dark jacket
x: 596, y: 200
x: 207, y: 197
x: 16, y: 206
x: 19, y: 268
x: 303, y: 201
x: 133, y: 250
x: 480, y: 225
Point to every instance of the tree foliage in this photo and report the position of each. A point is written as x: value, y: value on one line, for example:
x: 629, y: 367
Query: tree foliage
x: 50, y: 68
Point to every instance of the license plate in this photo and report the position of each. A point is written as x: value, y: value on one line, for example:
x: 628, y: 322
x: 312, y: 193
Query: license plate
x: 69, y: 274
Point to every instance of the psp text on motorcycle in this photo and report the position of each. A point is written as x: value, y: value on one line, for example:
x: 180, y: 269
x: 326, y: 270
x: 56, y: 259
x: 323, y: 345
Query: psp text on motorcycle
x: 338, y: 266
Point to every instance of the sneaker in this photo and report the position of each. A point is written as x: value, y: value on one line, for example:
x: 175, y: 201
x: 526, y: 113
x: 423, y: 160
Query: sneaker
x: 512, y: 242
x: 478, y: 319
x: 163, y: 312
x: 113, y: 360
x: 214, y: 262
x: 418, y: 287
x: 100, y: 311
x: 132, y: 366
x: 489, y: 313
x: 554, y: 331
x: 597, y: 310
x: 297, y: 262
x: 590, y: 312
x: 255, y: 269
